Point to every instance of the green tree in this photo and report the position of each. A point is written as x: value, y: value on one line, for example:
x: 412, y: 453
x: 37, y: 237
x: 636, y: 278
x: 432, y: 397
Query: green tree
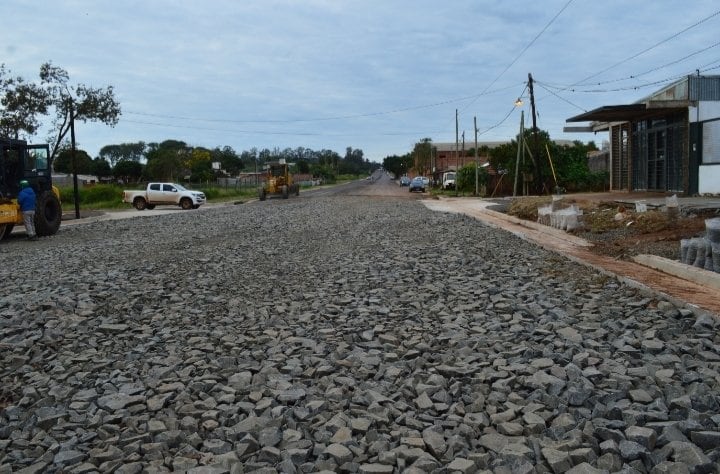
x: 20, y: 104
x: 303, y: 166
x: 123, y: 151
x: 101, y: 168
x: 128, y: 171
x: 422, y: 154
x: 228, y: 159
x: 166, y: 161
x: 398, y: 165
x: 466, y: 178
x: 64, y: 162
x: 78, y: 103
x: 199, y: 165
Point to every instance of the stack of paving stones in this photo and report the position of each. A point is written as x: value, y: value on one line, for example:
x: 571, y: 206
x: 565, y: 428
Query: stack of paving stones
x: 341, y: 335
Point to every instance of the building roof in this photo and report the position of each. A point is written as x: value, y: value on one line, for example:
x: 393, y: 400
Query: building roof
x: 671, y: 99
x: 625, y: 113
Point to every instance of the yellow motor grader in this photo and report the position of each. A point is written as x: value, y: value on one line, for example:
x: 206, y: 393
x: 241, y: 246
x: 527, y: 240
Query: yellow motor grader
x: 20, y: 161
x: 278, y: 180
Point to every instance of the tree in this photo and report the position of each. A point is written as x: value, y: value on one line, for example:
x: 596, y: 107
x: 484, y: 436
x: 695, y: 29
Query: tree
x: 199, y: 165
x: 166, y: 161
x: 398, y: 165
x: 101, y: 168
x: 64, y: 162
x: 422, y: 153
x: 75, y: 103
x: 127, y: 170
x: 303, y: 166
x: 465, y: 180
x: 123, y: 151
x: 228, y: 159
x: 20, y: 104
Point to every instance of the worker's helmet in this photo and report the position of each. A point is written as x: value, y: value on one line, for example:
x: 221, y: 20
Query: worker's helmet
x: 24, y: 183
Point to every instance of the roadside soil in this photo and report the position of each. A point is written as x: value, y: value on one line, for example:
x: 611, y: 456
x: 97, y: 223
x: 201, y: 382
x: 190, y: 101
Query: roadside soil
x: 622, y: 233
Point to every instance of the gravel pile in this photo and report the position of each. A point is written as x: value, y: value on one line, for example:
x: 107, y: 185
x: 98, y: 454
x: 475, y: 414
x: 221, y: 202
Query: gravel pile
x: 342, y: 335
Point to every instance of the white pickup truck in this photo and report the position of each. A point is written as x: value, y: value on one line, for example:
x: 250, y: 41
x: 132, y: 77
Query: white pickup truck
x: 164, y: 193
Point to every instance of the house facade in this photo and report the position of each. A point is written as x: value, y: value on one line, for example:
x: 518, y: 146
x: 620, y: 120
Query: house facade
x: 667, y: 142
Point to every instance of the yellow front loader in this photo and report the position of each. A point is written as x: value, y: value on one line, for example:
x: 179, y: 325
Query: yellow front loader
x: 20, y: 161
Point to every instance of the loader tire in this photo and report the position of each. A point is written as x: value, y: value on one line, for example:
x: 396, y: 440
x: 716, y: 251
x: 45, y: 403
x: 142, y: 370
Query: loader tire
x: 285, y: 192
x: 48, y: 214
x: 6, y: 231
x: 262, y: 194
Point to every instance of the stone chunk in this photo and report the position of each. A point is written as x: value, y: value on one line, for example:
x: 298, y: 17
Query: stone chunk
x: 643, y: 436
x: 339, y: 452
x: 559, y: 461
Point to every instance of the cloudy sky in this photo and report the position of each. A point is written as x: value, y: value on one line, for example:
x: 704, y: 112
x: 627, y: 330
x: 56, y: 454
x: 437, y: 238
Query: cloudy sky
x: 378, y: 75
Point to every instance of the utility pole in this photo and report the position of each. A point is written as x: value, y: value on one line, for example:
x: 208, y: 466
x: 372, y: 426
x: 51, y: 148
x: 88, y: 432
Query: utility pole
x: 477, y: 161
x: 521, y: 143
x: 456, y: 151
x: 463, y: 148
x: 536, y: 144
x: 76, y: 193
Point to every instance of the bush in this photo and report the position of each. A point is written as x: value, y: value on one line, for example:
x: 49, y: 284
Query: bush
x: 99, y: 193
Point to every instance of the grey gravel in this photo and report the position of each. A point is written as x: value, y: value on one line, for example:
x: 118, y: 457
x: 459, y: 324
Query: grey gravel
x: 341, y: 335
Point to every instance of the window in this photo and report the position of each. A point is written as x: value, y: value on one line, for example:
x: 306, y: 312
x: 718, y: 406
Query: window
x: 155, y: 187
x: 711, y: 142
x: 169, y: 188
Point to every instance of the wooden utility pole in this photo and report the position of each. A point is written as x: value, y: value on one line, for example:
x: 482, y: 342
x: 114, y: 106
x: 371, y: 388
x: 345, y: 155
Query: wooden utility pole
x: 457, y: 159
x: 76, y: 193
x: 536, y: 144
x: 477, y: 161
x: 521, y: 142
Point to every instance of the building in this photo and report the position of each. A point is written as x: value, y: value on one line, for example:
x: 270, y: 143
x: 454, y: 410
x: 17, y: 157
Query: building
x: 666, y: 142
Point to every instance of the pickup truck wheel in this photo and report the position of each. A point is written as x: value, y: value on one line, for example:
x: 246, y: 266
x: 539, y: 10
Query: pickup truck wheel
x: 186, y: 203
x: 139, y: 204
x: 48, y: 214
x: 150, y: 206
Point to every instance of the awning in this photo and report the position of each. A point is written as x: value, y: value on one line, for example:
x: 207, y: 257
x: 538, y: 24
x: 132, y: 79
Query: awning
x: 626, y: 113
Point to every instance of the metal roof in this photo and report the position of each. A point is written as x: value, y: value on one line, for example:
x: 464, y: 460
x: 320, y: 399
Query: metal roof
x: 625, y: 113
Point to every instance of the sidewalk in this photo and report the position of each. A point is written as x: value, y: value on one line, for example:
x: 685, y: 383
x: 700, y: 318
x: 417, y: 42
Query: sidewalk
x: 684, y: 285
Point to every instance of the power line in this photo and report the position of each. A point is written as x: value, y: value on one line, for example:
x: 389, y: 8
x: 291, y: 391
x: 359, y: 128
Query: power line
x: 580, y: 82
x: 326, y: 119
x: 704, y: 68
x: 532, y: 42
x: 635, y: 76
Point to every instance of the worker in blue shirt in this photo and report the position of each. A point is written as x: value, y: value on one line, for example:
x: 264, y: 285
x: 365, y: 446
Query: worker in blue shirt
x: 26, y: 199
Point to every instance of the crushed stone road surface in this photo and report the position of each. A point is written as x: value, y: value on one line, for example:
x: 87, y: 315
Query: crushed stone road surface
x: 355, y: 332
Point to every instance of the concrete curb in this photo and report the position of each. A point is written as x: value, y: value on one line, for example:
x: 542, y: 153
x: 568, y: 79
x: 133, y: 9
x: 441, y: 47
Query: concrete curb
x: 680, y: 270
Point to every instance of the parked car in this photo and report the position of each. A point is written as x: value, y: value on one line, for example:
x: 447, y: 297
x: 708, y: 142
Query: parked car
x: 426, y: 181
x: 417, y: 184
x: 404, y: 181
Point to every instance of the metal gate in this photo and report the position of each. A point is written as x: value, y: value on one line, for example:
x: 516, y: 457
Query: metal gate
x: 657, y: 154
